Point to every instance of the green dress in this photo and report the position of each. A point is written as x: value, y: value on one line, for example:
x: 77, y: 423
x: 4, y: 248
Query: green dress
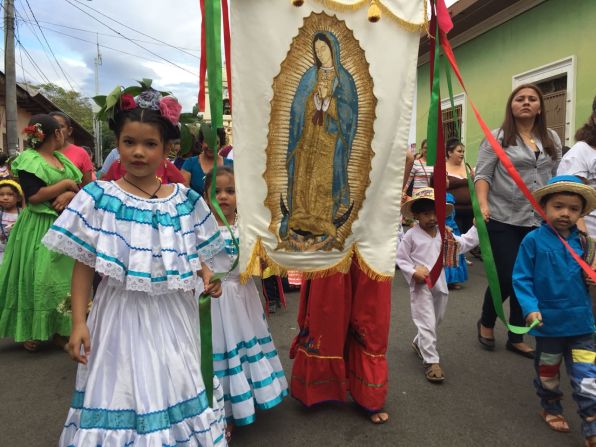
x: 34, y: 281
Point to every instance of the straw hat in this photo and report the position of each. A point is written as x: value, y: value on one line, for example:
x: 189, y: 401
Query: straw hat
x: 569, y: 183
x: 12, y: 183
x: 420, y: 194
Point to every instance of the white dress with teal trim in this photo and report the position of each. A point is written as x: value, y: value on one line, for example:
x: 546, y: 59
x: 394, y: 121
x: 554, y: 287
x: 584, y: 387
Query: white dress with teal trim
x: 142, y: 386
x: 244, y: 356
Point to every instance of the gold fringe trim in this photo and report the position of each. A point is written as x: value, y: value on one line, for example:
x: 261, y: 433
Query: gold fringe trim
x: 338, y: 5
x: 259, y: 254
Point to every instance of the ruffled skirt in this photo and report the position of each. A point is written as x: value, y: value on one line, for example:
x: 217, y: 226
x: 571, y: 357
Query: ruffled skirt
x: 34, y: 282
x: 142, y: 385
x: 245, y: 359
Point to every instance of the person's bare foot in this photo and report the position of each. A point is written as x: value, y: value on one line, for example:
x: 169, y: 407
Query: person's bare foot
x: 379, y: 418
x: 31, y: 345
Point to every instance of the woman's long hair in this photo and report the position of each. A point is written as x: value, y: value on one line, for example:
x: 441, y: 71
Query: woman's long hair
x: 587, y: 132
x: 510, y: 129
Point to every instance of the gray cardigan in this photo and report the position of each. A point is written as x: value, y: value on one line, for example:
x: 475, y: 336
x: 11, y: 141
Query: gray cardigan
x: 506, y: 201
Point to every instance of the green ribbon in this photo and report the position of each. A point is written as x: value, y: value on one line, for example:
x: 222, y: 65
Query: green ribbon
x: 214, y: 80
x: 485, y: 247
x: 433, y: 113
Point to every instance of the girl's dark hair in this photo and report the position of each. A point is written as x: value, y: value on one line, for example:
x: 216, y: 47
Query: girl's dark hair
x: 452, y: 144
x: 221, y: 170
x: 587, y: 132
x: 3, y: 159
x: 67, y: 119
x: 166, y: 129
x: 324, y: 38
x: 48, y: 126
x: 423, y: 205
x: 221, y: 135
x: 14, y: 189
x: 510, y: 129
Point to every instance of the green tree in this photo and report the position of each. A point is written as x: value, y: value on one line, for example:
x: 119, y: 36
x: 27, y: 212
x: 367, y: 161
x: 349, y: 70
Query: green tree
x: 73, y: 103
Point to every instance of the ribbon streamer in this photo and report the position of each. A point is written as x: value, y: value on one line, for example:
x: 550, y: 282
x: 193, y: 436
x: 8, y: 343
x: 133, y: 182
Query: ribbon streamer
x: 212, y: 20
x: 435, y: 140
x: 203, y: 63
x: 227, y: 46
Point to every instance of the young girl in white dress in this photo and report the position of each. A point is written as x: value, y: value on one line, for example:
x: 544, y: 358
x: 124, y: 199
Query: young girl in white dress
x: 139, y: 380
x: 244, y: 356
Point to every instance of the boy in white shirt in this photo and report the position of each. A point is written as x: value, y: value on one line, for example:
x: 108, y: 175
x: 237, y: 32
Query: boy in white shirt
x: 416, y: 255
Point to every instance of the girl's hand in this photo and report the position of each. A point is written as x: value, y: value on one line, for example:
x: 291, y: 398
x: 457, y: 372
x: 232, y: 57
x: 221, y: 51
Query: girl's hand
x: 534, y: 316
x: 79, y: 336
x: 62, y: 201
x: 211, y: 288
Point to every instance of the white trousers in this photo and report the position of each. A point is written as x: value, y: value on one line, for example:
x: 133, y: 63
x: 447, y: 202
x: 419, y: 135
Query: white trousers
x: 428, y: 308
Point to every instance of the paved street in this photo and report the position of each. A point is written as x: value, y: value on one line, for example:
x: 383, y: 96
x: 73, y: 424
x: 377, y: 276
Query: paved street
x: 487, y: 398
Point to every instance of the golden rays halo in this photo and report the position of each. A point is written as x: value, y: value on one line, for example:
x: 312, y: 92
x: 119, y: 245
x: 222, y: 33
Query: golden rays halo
x: 299, y: 59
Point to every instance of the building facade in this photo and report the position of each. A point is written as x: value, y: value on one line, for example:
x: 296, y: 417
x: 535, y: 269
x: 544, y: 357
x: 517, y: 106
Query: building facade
x: 500, y: 44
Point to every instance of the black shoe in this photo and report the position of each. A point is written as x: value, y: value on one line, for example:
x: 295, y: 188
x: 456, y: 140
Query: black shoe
x: 272, y: 307
x: 511, y: 347
x: 485, y: 342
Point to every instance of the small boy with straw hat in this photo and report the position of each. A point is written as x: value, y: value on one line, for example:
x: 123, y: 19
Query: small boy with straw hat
x: 416, y: 255
x: 552, y: 289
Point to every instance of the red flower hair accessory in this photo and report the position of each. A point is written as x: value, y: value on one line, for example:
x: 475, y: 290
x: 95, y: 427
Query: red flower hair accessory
x: 34, y: 134
x: 170, y: 109
x: 127, y: 102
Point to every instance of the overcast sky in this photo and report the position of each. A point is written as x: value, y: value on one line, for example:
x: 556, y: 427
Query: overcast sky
x: 67, y: 24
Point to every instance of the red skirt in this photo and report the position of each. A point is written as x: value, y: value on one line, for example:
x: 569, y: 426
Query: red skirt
x: 341, y: 346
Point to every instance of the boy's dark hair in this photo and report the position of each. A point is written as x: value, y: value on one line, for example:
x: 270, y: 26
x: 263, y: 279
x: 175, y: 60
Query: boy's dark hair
x: 221, y: 170
x: 166, y: 129
x: 3, y: 158
x: 548, y: 197
x: 423, y: 205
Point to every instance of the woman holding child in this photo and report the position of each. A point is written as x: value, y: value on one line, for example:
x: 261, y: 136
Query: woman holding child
x: 535, y: 152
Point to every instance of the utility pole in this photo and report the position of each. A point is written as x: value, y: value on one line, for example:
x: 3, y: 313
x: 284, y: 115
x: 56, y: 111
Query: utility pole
x: 96, y: 122
x: 10, y: 84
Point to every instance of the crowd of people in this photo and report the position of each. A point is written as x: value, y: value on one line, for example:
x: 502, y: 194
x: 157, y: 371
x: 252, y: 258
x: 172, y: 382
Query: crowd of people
x: 111, y: 266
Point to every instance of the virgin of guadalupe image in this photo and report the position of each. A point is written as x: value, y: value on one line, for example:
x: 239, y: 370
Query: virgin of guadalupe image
x: 323, y: 122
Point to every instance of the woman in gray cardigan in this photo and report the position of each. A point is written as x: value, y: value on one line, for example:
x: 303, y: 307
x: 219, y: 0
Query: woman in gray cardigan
x: 535, y: 152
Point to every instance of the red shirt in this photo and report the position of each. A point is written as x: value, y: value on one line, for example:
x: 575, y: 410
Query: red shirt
x: 166, y: 172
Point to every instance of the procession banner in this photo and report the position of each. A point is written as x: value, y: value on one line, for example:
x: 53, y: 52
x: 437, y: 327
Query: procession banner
x: 320, y: 125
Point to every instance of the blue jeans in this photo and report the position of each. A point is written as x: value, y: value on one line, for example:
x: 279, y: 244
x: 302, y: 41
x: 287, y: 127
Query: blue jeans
x: 578, y: 353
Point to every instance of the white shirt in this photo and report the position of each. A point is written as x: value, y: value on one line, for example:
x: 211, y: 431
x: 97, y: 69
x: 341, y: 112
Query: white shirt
x: 580, y: 160
x: 420, y: 248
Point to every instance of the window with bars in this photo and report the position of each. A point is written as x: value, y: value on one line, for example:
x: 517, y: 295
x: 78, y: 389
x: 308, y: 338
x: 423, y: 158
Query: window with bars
x: 449, y: 121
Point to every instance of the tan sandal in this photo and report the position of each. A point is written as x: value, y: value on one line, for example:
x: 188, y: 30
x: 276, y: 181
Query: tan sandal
x: 556, y: 422
x: 434, y: 373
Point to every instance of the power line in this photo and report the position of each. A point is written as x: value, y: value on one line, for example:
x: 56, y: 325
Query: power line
x: 17, y: 34
x: 17, y: 14
x: 108, y: 35
x: 134, y: 43
x: 132, y: 29
x: 101, y: 45
x: 49, y: 47
x: 34, y: 64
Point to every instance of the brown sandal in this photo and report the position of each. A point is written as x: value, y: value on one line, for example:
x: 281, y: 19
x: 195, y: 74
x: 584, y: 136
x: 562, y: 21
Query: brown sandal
x: 31, y: 345
x: 556, y: 422
x: 434, y: 373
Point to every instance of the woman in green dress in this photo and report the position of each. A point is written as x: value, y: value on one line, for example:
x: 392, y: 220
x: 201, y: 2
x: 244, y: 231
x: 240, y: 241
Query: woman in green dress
x: 35, y: 282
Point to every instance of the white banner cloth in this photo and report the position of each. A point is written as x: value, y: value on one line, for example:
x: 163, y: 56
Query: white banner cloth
x: 321, y: 115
